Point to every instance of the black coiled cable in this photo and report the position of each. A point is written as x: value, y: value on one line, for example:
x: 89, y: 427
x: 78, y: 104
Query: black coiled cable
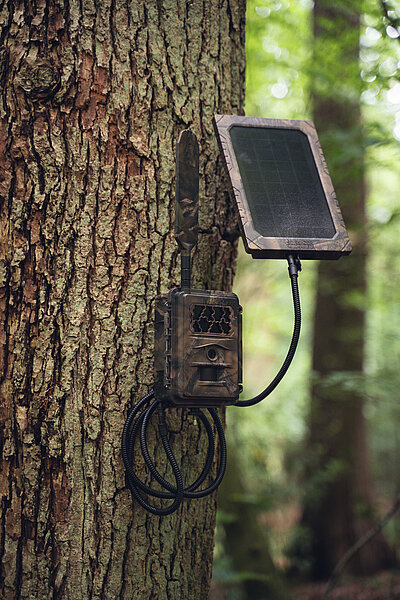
x: 138, y: 420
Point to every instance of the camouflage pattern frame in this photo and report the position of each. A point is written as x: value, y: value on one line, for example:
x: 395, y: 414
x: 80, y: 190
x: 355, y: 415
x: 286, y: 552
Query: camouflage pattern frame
x: 198, y: 348
x: 280, y: 247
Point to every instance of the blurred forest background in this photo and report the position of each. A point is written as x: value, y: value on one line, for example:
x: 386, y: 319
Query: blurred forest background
x: 292, y: 473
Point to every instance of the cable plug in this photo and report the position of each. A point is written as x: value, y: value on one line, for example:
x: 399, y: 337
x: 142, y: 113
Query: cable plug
x: 294, y: 265
x: 162, y: 424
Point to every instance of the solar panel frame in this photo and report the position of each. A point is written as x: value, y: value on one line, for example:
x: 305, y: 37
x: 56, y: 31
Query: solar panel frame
x: 261, y: 246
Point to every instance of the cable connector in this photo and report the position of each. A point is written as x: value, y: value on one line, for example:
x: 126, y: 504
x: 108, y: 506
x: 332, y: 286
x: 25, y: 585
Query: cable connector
x: 294, y: 265
x: 162, y: 424
x: 195, y: 411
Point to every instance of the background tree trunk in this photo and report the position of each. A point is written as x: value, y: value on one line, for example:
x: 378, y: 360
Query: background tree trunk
x: 94, y: 95
x: 339, y: 502
x: 245, y: 540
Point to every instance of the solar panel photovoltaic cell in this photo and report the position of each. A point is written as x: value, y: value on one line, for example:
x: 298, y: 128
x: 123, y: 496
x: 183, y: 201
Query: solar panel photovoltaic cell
x: 281, y: 182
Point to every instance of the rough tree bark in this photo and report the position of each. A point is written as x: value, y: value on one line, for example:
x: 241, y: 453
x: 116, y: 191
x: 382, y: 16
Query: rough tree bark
x: 93, y: 97
x: 339, y: 506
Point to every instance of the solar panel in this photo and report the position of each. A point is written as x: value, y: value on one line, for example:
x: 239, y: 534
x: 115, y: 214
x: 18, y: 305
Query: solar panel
x: 282, y: 188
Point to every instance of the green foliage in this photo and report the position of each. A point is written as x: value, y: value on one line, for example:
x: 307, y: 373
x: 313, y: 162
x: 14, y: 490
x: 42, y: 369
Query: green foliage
x: 382, y: 114
x: 333, y: 68
x: 278, y: 49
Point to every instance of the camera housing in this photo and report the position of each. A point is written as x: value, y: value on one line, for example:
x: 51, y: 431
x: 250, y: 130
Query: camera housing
x: 198, y: 348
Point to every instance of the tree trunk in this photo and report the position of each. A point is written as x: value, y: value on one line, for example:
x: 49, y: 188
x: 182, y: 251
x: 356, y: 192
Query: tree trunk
x: 245, y: 540
x: 339, y: 504
x: 93, y: 98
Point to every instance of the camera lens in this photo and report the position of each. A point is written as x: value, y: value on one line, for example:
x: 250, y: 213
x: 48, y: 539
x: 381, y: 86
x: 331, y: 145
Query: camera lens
x: 211, y: 354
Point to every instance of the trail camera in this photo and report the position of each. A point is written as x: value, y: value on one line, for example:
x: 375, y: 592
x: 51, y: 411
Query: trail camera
x: 197, y: 332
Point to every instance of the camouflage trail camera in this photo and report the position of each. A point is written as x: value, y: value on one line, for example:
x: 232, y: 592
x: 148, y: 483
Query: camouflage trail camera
x: 198, y: 342
x: 198, y: 348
